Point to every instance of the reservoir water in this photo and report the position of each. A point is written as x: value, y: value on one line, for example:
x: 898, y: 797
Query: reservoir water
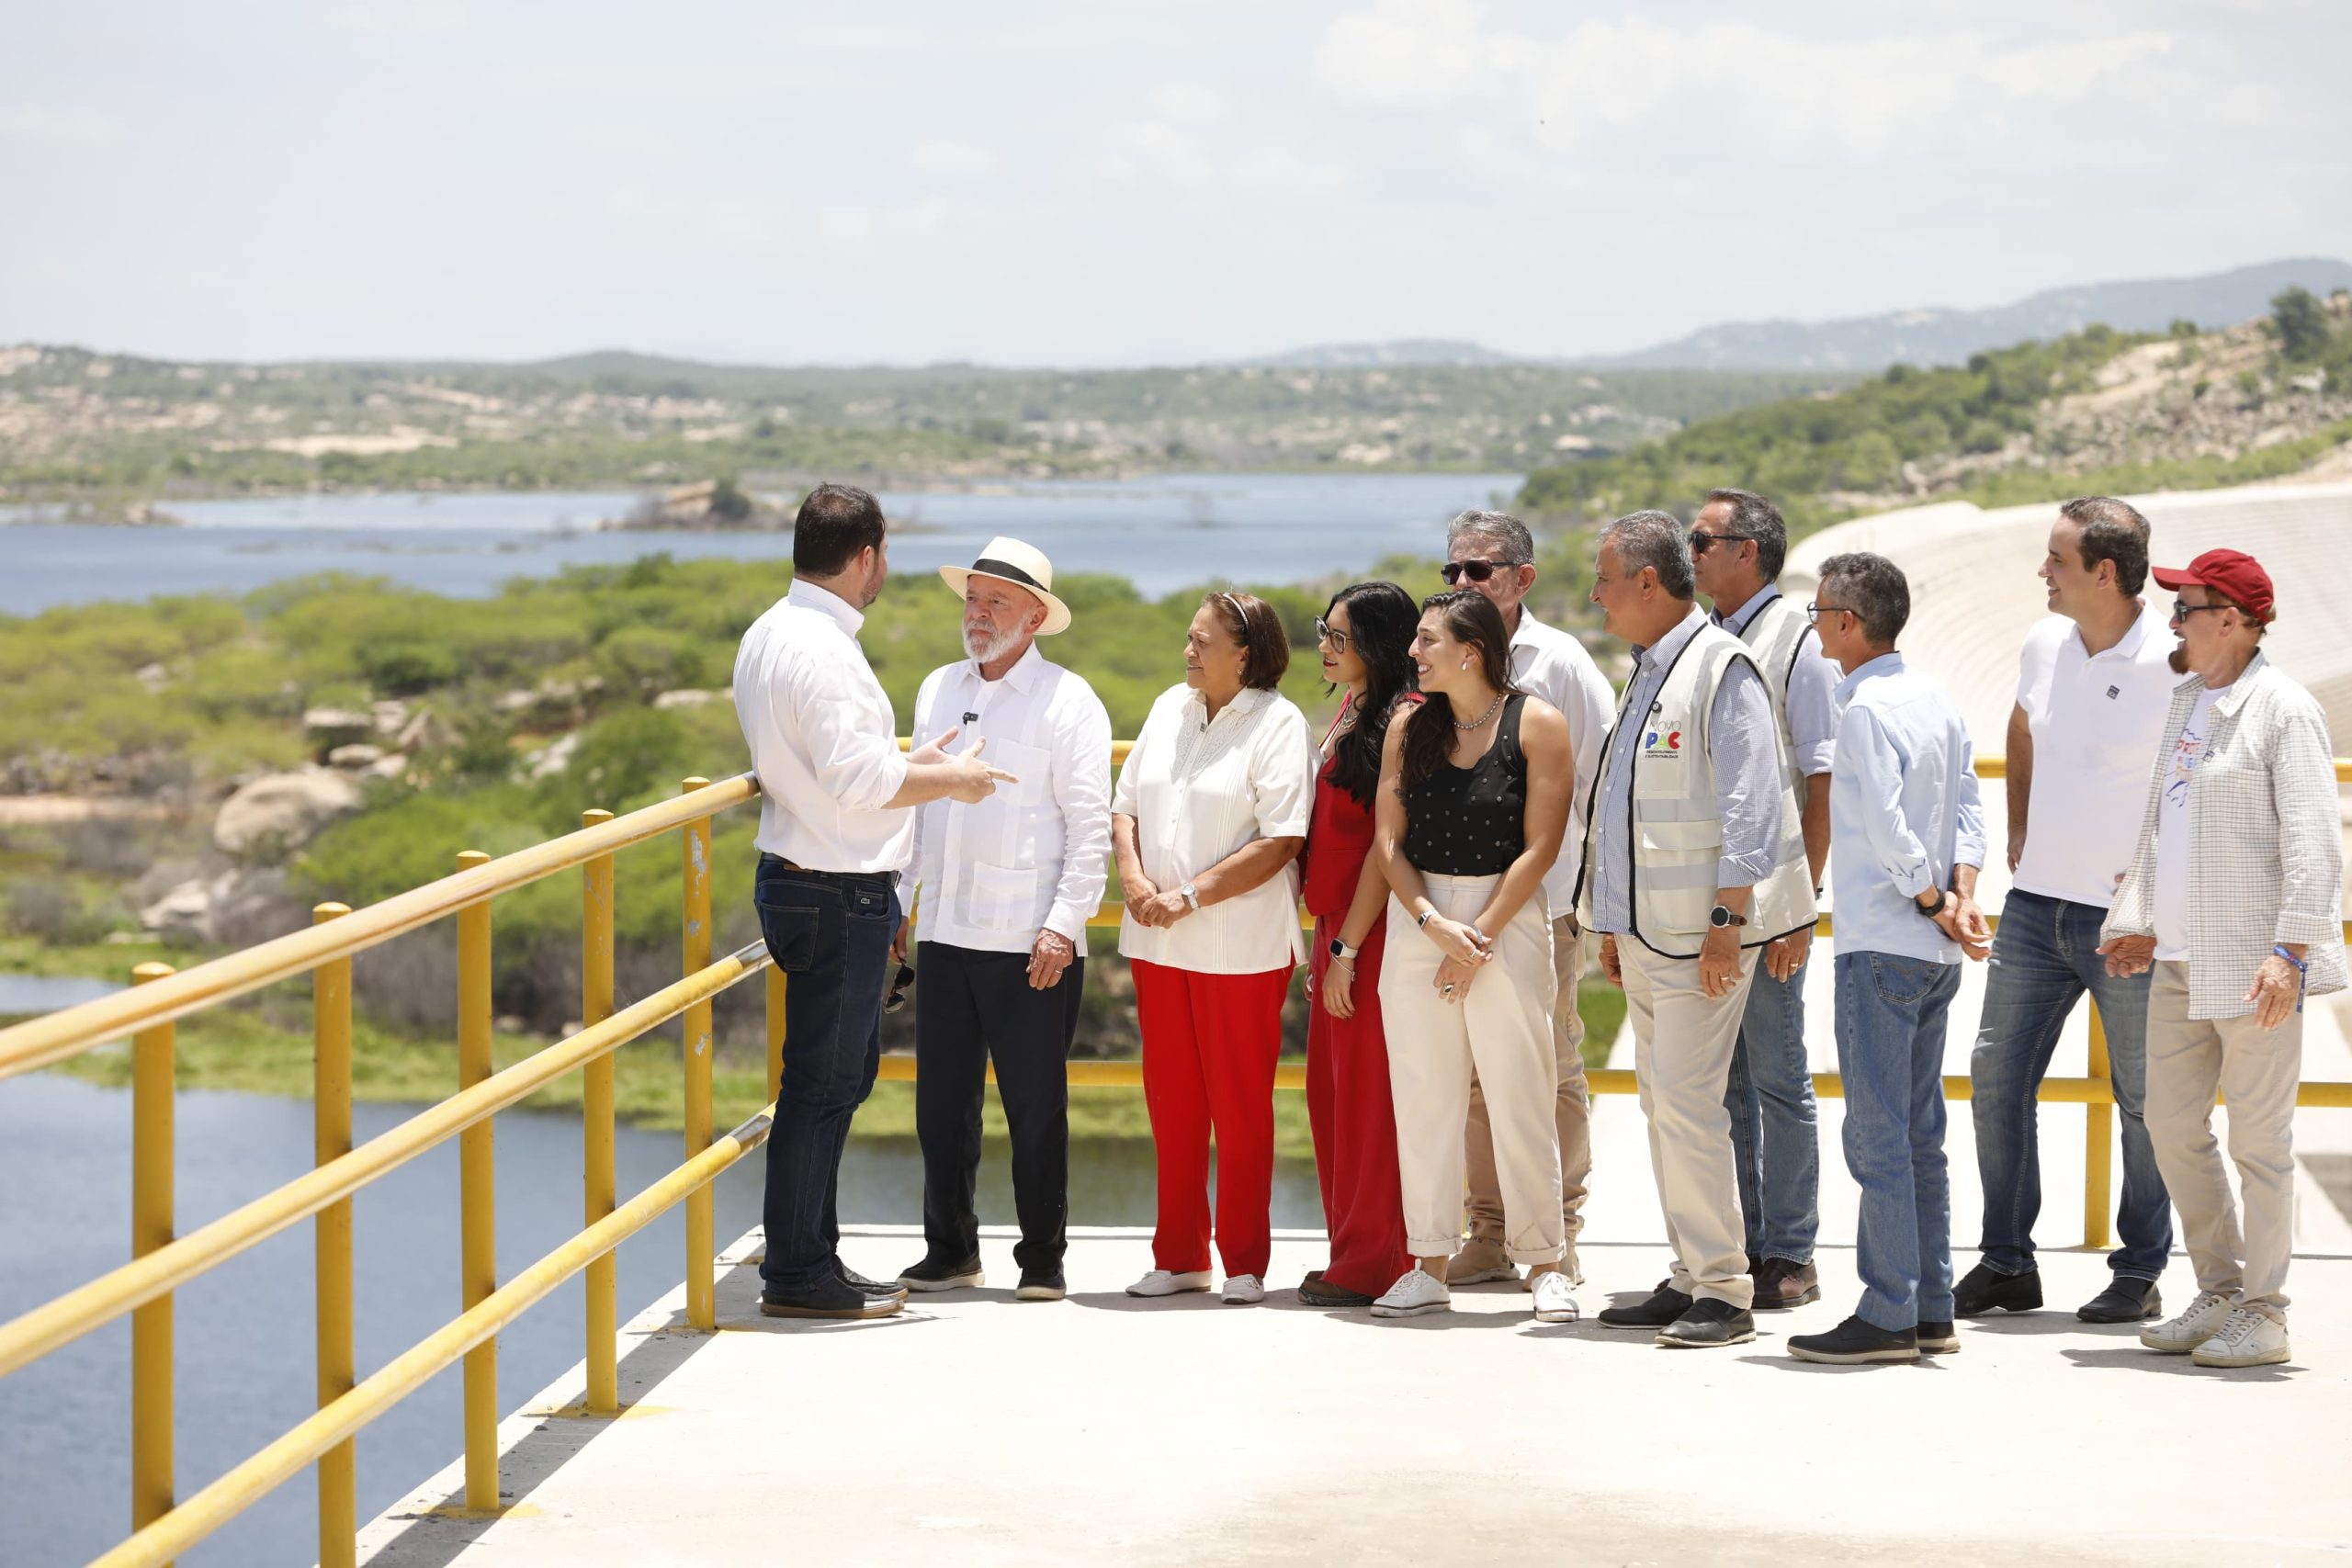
x: 246, y: 1331
x: 1162, y: 533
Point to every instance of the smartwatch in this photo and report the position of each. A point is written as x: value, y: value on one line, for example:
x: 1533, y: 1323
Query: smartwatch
x: 1424, y: 917
x: 1342, y: 951
x: 1721, y: 915
x: 1192, y: 899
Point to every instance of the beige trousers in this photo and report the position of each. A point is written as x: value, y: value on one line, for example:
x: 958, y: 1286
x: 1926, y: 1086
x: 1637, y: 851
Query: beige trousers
x: 1501, y: 1032
x: 2256, y: 1070
x: 1571, y: 1114
x: 1682, y: 1046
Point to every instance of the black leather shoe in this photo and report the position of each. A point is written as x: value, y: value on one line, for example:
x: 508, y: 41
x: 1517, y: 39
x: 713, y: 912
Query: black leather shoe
x: 827, y: 1298
x: 2124, y: 1301
x: 1665, y: 1306
x: 1854, y: 1342
x: 1709, y: 1321
x: 1780, y: 1284
x: 1939, y: 1339
x: 938, y: 1274
x: 1318, y: 1291
x: 1041, y: 1285
x: 1985, y: 1289
x: 863, y: 1286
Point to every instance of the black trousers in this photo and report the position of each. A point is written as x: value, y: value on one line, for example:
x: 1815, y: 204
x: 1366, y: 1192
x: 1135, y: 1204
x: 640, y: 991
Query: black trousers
x: 969, y: 1006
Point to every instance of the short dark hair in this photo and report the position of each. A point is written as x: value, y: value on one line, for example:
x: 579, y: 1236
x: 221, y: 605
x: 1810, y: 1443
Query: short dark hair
x: 1754, y: 516
x: 2109, y: 529
x: 833, y: 525
x: 1654, y: 540
x: 1259, y: 629
x: 1874, y: 588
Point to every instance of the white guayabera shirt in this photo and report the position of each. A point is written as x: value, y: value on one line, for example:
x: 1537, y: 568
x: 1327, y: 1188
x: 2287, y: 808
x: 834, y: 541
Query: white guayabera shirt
x: 1200, y: 789
x: 1033, y: 856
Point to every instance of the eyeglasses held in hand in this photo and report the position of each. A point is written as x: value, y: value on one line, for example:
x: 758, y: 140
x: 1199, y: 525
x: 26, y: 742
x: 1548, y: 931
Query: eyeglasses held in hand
x: 898, y: 984
x: 1453, y: 572
x: 1326, y: 632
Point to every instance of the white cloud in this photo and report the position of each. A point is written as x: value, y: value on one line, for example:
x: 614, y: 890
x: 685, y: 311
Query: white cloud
x: 952, y: 160
x: 403, y: 19
x: 51, y: 125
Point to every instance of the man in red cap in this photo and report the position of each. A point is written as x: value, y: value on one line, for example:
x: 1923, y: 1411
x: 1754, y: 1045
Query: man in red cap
x: 2243, y: 809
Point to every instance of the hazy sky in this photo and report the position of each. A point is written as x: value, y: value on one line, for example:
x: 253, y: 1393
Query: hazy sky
x: 1125, y: 183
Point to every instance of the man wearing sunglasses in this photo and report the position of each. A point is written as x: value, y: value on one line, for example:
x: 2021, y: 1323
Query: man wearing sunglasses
x: 2093, y: 684
x: 1738, y: 542
x: 1493, y: 553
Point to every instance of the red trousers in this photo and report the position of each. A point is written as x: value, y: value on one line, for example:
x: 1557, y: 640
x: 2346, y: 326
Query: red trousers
x: 1209, y: 1046
x: 1354, y: 1122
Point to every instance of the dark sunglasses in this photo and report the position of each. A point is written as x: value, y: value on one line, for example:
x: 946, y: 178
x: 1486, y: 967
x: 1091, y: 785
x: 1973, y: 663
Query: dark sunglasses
x: 1453, y: 572
x: 898, y: 984
x: 1701, y: 543
x: 2182, y: 609
x: 1326, y: 632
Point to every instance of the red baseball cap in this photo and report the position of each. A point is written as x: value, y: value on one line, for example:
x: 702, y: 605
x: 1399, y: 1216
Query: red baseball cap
x: 2234, y: 574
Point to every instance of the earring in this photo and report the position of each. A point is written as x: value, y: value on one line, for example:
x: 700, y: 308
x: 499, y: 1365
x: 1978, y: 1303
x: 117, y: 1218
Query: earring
x: 1465, y: 664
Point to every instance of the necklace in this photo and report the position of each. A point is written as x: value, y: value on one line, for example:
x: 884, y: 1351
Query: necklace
x: 1479, y: 721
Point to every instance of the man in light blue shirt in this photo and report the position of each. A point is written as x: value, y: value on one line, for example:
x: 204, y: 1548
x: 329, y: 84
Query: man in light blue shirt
x: 1906, y: 841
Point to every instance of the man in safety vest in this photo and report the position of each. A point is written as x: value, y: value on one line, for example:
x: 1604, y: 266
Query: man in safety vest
x: 1694, y: 862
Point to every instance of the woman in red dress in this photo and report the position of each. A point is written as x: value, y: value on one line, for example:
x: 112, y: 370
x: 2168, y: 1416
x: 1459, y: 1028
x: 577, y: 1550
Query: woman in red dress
x: 1365, y: 636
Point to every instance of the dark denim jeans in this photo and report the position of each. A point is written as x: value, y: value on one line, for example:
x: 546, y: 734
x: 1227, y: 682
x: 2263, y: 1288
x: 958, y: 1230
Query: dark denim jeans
x: 1775, y: 1128
x: 2044, y: 957
x: 831, y: 935
x: 1891, y: 1016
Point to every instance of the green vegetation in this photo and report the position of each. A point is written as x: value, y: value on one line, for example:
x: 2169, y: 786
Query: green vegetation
x: 1802, y: 451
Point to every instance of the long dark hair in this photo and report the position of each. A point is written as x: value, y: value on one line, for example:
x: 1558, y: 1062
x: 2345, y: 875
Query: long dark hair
x: 1381, y: 619
x: 1471, y: 620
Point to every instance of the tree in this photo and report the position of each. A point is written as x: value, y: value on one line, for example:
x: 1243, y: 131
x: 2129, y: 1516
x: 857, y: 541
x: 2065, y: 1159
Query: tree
x: 2302, y: 321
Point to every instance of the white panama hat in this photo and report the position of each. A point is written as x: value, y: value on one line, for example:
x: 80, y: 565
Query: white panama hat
x: 1024, y: 566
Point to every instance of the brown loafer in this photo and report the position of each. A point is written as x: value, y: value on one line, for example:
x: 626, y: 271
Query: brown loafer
x: 1780, y: 1284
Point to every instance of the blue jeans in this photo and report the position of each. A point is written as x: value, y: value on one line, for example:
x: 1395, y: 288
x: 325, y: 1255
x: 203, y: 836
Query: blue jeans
x: 832, y: 935
x: 2044, y: 957
x: 1891, y: 1013
x: 1775, y: 1129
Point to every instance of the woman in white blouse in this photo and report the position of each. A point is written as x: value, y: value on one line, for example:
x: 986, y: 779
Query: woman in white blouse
x: 1208, y: 819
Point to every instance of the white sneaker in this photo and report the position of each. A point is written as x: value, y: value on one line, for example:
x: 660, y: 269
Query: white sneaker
x: 2249, y: 1338
x: 1160, y: 1283
x: 1244, y: 1289
x: 1417, y: 1292
x: 1570, y: 1270
x: 2201, y: 1322
x: 1552, y: 1302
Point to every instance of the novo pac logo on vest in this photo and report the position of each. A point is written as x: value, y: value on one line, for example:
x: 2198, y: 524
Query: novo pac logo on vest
x: 1663, y: 743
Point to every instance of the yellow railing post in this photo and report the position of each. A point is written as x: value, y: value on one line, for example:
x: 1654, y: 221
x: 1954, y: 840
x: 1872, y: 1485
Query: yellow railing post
x: 2098, y: 1120
x: 331, y: 1140
x: 702, y: 1242
x: 477, y: 1197
x: 775, y: 1032
x: 597, y: 1124
x: 151, y: 1227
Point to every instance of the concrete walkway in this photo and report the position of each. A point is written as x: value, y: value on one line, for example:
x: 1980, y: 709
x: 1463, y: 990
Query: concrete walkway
x: 975, y: 1430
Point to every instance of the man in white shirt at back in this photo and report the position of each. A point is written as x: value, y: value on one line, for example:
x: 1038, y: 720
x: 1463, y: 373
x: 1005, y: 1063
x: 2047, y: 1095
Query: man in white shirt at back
x: 836, y: 828
x: 2094, y: 686
x: 1007, y: 888
x: 1493, y: 553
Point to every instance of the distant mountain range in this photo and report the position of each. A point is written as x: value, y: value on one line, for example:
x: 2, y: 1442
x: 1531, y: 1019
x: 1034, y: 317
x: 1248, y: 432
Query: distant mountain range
x: 1930, y: 336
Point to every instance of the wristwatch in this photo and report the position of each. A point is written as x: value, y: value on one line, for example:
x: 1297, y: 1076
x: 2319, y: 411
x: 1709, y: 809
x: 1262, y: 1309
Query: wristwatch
x: 1933, y: 910
x: 1721, y: 915
x: 1192, y: 899
x: 1424, y: 917
x: 1342, y: 951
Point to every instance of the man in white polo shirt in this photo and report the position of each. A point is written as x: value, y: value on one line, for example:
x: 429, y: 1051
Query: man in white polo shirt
x: 2094, y: 686
x: 1493, y: 553
x: 1007, y: 888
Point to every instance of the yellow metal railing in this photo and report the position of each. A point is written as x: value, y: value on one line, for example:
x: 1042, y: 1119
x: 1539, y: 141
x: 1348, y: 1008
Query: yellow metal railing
x: 145, y: 1287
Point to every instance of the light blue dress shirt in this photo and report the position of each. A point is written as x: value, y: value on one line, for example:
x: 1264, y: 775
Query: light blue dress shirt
x: 1903, y: 809
x: 1744, y: 748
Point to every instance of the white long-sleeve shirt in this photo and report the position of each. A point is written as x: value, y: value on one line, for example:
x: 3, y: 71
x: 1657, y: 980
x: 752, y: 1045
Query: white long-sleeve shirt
x: 1034, y: 854
x: 1554, y: 666
x: 822, y: 738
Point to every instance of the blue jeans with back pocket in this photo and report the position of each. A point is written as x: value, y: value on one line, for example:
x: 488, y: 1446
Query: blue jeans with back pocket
x: 1891, y: 1016
x: 831, y: 935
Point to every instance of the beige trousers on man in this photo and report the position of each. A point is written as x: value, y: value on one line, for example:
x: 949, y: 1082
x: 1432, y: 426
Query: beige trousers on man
x: 2256, y: 1070
x: 1501, y: 1030
x: 1682, y: 1046
x: 1572, y: 1113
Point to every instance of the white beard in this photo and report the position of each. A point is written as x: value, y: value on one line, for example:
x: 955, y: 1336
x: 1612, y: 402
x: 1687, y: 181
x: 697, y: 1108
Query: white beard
x: 987, y: 650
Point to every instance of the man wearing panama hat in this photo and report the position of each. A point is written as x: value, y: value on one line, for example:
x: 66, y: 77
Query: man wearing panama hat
x: 1006, y: 888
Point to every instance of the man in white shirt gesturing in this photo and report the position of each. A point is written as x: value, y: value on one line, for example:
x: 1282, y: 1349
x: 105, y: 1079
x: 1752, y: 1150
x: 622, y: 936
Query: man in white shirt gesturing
x: 835, y: 832
x: 1007, y: 887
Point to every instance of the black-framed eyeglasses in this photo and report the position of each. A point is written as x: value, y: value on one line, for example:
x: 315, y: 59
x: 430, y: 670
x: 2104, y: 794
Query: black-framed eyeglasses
x: 898, y: 984
x: 1326, y: 632
x: 1453, y: 572
x: 1815, y: 610
x: 2182, y: 609
x: 1700, y: 543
